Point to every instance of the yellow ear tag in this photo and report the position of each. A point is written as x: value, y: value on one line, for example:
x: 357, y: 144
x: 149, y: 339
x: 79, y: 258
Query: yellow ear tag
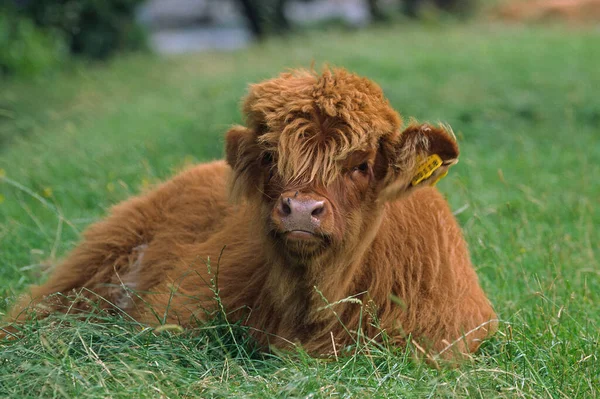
x: 427, y: 168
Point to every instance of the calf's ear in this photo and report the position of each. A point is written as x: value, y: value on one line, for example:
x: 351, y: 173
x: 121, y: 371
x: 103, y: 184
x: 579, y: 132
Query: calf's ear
x: 242, y: 154
x: 242, y: 150
x: 419, y: 157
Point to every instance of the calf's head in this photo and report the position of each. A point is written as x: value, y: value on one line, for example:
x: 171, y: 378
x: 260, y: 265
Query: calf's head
x: 320, y: 155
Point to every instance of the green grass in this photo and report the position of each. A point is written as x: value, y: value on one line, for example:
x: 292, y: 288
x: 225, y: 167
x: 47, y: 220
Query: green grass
x: 525, y: 106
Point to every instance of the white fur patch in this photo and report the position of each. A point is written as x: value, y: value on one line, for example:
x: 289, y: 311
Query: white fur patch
x: 129, y: 282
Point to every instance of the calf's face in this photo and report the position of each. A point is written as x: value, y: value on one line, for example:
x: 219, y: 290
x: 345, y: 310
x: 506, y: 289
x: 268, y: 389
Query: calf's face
x: 321, y: 154
x: 308, y: 216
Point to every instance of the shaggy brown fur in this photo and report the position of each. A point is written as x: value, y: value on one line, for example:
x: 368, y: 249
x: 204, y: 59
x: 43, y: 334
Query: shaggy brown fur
x: 379, y: 254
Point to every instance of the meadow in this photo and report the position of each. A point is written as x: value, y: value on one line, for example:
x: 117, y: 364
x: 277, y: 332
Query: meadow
x: 524, y: 104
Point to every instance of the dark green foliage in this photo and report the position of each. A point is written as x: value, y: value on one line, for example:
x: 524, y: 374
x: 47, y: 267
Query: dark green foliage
x: 25, y: 49
x: 265, y: 16
x: 92, y: 28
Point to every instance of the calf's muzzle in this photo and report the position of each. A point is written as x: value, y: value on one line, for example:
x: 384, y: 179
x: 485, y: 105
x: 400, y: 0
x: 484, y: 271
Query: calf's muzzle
x: 299, y: 212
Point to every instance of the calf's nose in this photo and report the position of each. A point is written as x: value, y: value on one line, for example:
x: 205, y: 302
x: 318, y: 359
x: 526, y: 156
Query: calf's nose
x: 301, y: 213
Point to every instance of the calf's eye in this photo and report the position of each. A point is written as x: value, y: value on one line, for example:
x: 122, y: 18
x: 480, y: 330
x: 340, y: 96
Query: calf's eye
x: 267, y: 158
x: 360, y: 172
x: 363, y: 167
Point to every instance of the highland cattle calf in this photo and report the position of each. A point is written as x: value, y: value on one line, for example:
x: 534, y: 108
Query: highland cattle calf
x: 320, y: 226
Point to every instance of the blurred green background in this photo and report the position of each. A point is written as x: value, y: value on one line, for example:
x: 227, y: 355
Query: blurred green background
x: 99, y: 100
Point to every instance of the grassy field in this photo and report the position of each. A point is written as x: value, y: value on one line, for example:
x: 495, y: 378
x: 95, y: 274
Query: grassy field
x: 525, y: 106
